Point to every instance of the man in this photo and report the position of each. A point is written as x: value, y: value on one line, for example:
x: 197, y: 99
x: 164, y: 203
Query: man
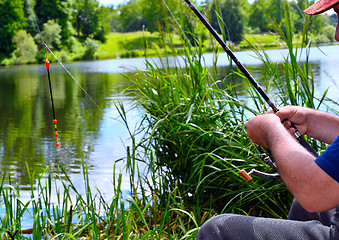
x: 314, y: 182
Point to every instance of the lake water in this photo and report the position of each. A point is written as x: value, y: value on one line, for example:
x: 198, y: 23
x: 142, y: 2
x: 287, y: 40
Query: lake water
x: 93, y: 129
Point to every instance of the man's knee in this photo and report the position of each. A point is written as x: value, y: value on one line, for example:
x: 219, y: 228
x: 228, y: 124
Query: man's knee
x: 214, y: 228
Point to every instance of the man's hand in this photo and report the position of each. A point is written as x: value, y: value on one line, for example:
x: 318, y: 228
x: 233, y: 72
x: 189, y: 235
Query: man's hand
x: 260, y: 128
x: 316, y: 124
x: 296, y: 115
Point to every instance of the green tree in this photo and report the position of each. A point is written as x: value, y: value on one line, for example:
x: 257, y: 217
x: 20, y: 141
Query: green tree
x: 58, y: 10
x: 51, y: 32
x: 131, y: 16
x: 334, y: 19
x: 91, y: 46
x: 298, y: 17
x: 329, y: 32
x: 232, y: 17
x: 113, y: 20
x: 316, y: 24
x: 25, y: 50
x: 189, y: 25
x: 90, y: 20
x: 258, y: 18
x: 276, y: 10
x: 155, y: 14
x: 12, y: 19
x: 104, y: 26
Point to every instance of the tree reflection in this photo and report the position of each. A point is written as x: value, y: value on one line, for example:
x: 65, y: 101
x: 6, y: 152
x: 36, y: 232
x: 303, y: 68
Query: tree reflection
x: 26, y: 128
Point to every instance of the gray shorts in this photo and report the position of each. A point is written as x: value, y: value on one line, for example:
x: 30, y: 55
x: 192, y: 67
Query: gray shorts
x: 300, y: 225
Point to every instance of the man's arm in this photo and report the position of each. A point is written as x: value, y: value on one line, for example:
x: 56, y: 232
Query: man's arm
x: 315, y: 190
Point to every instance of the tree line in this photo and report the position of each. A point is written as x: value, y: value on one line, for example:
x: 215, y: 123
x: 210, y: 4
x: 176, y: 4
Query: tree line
x: 238, y: 16
x: 76, y: 27
x: 64, y: 24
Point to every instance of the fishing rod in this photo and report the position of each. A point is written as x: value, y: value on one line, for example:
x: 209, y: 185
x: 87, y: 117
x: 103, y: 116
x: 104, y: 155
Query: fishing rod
x: 254, y: 83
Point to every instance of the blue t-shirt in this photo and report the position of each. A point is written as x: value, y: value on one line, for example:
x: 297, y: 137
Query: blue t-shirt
x: 329, y: 160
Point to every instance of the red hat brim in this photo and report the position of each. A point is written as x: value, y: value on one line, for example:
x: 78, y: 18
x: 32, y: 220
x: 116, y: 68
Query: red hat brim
x: 321, y: 6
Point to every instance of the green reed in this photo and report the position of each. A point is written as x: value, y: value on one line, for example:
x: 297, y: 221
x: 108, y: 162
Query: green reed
x: 63, y: 212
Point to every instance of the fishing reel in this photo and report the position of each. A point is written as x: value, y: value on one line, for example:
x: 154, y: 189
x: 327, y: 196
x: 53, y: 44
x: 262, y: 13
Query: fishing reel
x: 270, y: 176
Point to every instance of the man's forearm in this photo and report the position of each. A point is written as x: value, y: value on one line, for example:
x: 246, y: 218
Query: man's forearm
x: 300, y: 173
x: 323, y: 126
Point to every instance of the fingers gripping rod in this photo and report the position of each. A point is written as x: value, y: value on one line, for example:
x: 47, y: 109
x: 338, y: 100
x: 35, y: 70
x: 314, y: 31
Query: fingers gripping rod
x: 297, y: 134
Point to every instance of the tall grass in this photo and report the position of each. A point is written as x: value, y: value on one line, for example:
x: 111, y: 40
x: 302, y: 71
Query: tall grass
x: 63, y: 212
x: 195, y: 128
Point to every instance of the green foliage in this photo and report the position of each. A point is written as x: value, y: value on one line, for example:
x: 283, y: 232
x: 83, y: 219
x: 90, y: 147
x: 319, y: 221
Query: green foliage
x: 113, y: 20
x: 12, y: 19
x: 90, y: 20
x: 190, y: 23
x: 229, y: 12
x: 333, y: 19
x: 197, y: 137
x: 194, y: 144
x: 25, y: 48
x: 154, y: 13
x: 275, y: 10
x: 58, y: 10
x: 91, y: 46
x: 131, y: 17
x: 195, y: 132
x: 258, y: 18
x: 51, y: 33
x: 316, y: 24
x: 62, y: 211
x: 321, y: 38
x: 329, y: 32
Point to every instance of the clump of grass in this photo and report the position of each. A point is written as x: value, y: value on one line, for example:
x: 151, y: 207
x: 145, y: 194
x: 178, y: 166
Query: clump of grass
x: 198, y: 139
x: 195, y: 128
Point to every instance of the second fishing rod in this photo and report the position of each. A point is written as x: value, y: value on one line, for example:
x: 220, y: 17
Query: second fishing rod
x: 297, y: 134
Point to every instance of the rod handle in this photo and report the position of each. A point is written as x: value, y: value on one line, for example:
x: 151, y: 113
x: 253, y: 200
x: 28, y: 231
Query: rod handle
x: 302, y: 140
x: 245, y: 175
x: 304, y: 143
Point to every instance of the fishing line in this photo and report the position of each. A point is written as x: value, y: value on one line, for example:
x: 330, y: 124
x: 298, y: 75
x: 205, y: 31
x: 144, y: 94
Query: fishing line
x: 47, y: 64
x: 62, y: 65
x: 183, y: 32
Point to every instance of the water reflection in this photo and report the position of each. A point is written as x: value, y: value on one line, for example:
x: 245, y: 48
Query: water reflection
x: 26, y: 129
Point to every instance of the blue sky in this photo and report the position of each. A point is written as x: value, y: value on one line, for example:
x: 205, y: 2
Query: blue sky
x: 116, y: 2
x: 112, y: 2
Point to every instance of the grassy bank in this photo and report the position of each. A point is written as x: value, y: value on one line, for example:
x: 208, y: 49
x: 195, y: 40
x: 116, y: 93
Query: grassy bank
x: 141, y: 44
x: 125, y: 45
